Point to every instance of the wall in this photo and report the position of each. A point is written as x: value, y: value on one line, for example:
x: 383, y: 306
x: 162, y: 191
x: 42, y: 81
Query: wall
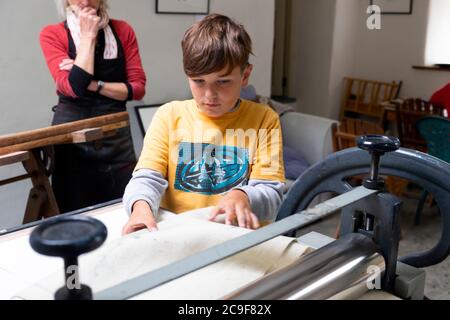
x: 28, y: 92
x: 25, y: 87
x: 342, y: 45
x: 438, y: 46
x: 388, y: 54
x: 320, y: 58
x: 311, y: 53
x: 159, y: 36
x: 344, y: 52
x: 280, y: 44
x: 258, y: 17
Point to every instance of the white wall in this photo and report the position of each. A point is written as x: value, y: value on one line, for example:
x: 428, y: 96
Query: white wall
x: 160, y: 35
x: 389, y: 54
x: 258, y: 17
x: 280, y: 44
x: 25, y: 89
x: 311, y: 53
x: 28, y: 92
x: 344, y: 52
x: 438, y: 46
x: 333, y: 41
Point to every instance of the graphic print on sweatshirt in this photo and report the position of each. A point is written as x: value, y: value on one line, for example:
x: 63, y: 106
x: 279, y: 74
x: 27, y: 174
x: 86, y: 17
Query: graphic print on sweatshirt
x: 209, y: 169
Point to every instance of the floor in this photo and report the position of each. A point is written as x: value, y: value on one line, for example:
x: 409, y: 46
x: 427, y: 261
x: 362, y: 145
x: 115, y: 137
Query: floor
x: 414, y: 239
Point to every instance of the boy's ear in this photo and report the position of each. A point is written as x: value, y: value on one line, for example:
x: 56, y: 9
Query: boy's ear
x: 246, y: 75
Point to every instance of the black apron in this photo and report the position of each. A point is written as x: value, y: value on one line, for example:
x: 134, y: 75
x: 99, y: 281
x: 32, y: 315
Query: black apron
x: 86, y: 174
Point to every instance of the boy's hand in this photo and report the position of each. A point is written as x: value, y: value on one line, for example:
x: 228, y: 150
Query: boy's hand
x: 141, y: 218
x: 235, y: 205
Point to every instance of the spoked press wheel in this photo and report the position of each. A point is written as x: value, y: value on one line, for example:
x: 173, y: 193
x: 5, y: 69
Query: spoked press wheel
x: 331, y: 174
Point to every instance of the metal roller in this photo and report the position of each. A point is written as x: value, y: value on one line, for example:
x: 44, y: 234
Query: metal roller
x: 347, y: 263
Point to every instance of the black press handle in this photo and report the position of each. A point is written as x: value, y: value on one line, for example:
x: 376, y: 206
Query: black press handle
x: 69, y: 237
x: 377, y: 146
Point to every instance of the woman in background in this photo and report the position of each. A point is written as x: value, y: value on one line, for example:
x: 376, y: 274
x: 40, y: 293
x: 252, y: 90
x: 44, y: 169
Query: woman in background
x: 442, y: 98
x: 96, y: 66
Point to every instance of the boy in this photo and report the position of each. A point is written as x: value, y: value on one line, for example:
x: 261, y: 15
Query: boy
x: 215, y: 150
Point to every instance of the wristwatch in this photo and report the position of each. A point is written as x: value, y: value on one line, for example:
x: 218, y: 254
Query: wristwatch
x: 100, y: 85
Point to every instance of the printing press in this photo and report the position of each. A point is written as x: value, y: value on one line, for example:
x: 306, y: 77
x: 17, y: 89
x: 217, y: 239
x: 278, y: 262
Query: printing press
x: 363, y: 262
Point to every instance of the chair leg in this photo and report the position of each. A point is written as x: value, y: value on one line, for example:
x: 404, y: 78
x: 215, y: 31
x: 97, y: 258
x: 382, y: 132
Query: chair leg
x: 423, y: 197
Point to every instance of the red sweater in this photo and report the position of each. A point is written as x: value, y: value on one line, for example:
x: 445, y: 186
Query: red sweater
x: 442, y: 97
x: 55, y: 45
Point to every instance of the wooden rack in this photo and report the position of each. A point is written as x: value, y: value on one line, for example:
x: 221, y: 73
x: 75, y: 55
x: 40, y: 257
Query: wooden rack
x: 34, y: 149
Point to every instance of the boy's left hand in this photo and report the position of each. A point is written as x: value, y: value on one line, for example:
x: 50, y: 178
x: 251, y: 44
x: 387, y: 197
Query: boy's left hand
x: 236, y: 206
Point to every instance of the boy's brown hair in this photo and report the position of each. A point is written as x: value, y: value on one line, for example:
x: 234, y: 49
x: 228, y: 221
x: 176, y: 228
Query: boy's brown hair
x: 214, y: 43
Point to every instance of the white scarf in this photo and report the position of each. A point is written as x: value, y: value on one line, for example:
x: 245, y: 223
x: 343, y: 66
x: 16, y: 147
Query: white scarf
x: 73, y: 23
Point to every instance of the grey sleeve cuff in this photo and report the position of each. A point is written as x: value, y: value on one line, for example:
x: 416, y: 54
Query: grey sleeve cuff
x: 265, y: 197
x: 147, y: 185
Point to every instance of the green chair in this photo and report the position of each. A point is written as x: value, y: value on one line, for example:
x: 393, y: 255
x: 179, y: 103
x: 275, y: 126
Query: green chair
x: 436, y: 132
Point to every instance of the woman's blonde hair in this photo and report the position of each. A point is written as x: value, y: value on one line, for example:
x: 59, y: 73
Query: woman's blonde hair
x: 61, y: 6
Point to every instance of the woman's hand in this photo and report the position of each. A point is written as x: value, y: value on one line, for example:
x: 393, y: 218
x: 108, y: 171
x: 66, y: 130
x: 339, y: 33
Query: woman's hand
x: 89, y: 26
x: 235, y: 205
x: 89, y: 23
x: 66, y: 64
x: 141, y: 218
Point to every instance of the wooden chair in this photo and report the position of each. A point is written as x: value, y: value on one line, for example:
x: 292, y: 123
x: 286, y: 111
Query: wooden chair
x: 364, y: 99
x: 408, y: 114
x: 349, y: 129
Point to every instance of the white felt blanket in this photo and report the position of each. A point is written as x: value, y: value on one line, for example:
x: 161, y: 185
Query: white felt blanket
x: 28, y: 275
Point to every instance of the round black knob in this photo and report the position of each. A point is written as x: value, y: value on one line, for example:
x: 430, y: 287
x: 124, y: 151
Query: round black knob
x: 377, y: 146
x: 69, y: 237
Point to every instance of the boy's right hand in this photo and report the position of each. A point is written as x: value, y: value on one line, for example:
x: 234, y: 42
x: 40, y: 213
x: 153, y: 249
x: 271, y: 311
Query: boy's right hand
x: 141, y: 218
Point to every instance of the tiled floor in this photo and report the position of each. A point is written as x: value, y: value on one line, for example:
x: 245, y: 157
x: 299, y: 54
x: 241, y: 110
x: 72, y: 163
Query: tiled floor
x: 414, y: 239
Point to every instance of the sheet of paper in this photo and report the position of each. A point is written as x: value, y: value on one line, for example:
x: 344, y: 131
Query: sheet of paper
x: 122, y: 258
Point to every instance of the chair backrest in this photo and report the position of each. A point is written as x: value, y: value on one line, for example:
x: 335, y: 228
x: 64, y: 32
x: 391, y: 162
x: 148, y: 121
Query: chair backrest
x: 140, y: 119
x: 308, y: 134
x: 365, y: 98
x: 436, y: 132
x: 408, y: 113
x: 349, y: 129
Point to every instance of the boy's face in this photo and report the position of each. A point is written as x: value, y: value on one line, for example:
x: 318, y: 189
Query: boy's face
x: 217, y: 93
